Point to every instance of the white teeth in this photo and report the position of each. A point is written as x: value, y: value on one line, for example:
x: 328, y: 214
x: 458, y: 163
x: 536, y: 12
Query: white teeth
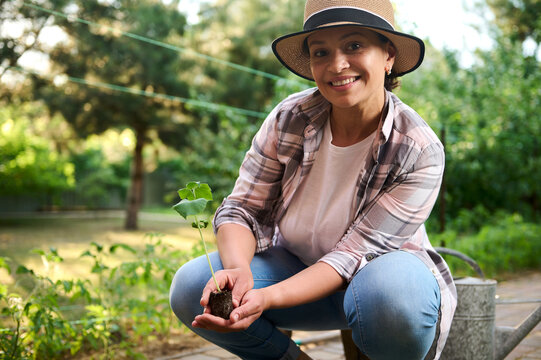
x: 343, y: 82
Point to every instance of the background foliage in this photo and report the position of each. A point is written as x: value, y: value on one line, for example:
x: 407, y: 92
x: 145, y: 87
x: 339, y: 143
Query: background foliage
x: 486, y: 114
x: 30, y: 164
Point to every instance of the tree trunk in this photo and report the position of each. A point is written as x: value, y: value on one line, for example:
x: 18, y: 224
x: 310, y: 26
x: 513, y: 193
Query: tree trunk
x: 135, y: 195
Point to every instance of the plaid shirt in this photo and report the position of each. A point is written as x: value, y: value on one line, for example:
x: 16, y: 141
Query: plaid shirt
x: 395, y: 192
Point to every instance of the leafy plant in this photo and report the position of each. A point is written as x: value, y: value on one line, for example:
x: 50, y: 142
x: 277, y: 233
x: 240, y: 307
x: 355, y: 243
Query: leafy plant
x: 38, y: 329
x: 194, y: 198
x: 503, y: 245
x: 127, y: 305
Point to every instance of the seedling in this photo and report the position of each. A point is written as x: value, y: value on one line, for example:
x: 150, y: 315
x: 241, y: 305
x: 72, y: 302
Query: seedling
x: 194, y: 198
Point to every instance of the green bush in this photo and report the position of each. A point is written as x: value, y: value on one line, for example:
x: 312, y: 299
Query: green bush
x: 503, y: 245
x: 126, y: 306
x: 30, y: 164
x: 98, y: 179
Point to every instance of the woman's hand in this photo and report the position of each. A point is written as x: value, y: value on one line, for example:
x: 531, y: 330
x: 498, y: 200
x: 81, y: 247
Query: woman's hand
x: 239, y: 281
x: 252, y: 305
x: 236, y: 245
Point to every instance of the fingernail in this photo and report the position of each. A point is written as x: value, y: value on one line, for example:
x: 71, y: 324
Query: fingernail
x: 236, y: 317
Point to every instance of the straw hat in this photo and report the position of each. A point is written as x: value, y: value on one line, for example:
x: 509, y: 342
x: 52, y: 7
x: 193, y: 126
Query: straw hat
x: 375, y: 15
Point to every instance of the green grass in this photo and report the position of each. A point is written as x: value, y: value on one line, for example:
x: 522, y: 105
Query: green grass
x: 72, y: 236
x: 158, y: 210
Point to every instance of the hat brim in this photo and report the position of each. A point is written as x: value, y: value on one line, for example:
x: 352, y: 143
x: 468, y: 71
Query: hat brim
x: 289, y: 50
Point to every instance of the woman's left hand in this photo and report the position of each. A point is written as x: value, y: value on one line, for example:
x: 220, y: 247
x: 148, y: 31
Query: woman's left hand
x: 252, y: 306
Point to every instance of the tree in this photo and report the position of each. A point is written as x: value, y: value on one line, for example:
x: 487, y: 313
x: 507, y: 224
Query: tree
x: 519, y: 19
x: 241, y: 31
x: 26, y: 25
x: 503, y: 104
x: 490, y: 114
x: 21, y: 32
x: 98, y: 54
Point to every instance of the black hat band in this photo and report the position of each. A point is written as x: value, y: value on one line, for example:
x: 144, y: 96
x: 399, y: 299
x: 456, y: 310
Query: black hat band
x: 353, y: 15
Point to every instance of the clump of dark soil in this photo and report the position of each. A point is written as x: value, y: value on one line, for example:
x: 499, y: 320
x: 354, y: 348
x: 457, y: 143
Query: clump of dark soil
x: 221, y: 303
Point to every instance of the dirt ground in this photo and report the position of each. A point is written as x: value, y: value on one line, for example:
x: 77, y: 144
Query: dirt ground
x: 177, y: 342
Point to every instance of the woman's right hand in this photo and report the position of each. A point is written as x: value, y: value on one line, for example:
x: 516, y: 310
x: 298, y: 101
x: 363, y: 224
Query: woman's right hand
x: 238, y: 280
x: 236, y: 245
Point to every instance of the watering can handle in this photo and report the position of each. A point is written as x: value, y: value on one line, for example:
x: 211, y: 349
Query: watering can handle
x: 462, y: 256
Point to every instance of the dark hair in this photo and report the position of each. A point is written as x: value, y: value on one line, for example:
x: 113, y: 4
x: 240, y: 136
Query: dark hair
x: 391, y: 81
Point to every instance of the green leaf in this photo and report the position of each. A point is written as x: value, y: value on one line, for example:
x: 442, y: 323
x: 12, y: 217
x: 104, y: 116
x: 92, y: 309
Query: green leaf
x: 202, y: 224
x: 113, y: 248
x: 98, y: 246
x: 86, y: 253
x: 98, y: 268
x: 38, y: 251
x: 203, y: 191
x: 23, y: 270
x: 68, y: 285
x: 4, y: 265
x: 190, y: 207
x: 195, y: 190
x: 185, y: 194
x: 192, y: 185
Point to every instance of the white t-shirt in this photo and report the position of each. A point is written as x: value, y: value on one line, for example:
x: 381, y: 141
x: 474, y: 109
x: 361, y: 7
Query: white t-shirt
x: 325, y: 204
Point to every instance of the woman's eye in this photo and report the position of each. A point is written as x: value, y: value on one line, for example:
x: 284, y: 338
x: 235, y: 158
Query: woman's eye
x: 319, y: 53
x: 354, y: 46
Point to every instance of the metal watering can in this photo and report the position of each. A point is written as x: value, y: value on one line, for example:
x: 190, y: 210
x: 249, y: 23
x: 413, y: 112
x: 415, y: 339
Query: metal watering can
x: 473, y: 334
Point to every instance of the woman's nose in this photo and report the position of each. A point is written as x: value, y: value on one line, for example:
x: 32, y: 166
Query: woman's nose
x: 338, y: 62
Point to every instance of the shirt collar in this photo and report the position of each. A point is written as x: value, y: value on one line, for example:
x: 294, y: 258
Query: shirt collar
x: 387, y: 124
x: 316, y: 110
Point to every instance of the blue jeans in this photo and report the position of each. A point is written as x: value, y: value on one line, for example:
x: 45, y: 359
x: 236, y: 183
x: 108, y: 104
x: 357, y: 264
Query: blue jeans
x: 391, y: 305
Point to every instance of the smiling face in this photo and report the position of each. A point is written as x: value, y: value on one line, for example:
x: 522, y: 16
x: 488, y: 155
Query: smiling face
x: 348, y: 65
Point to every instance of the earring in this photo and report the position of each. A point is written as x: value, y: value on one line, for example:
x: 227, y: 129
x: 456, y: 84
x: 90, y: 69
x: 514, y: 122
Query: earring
x: 388, y: 70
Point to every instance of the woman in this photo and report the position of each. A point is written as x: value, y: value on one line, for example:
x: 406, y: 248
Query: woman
x: 324, y: 228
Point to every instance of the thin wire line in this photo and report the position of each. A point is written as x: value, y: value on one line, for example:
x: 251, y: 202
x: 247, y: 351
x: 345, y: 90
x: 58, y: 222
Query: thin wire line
x: 198, y: 103
x: 165, y: 45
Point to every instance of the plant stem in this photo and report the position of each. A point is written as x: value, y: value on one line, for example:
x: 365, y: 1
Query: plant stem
x: 206, y: 253
x: 15, y: 342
